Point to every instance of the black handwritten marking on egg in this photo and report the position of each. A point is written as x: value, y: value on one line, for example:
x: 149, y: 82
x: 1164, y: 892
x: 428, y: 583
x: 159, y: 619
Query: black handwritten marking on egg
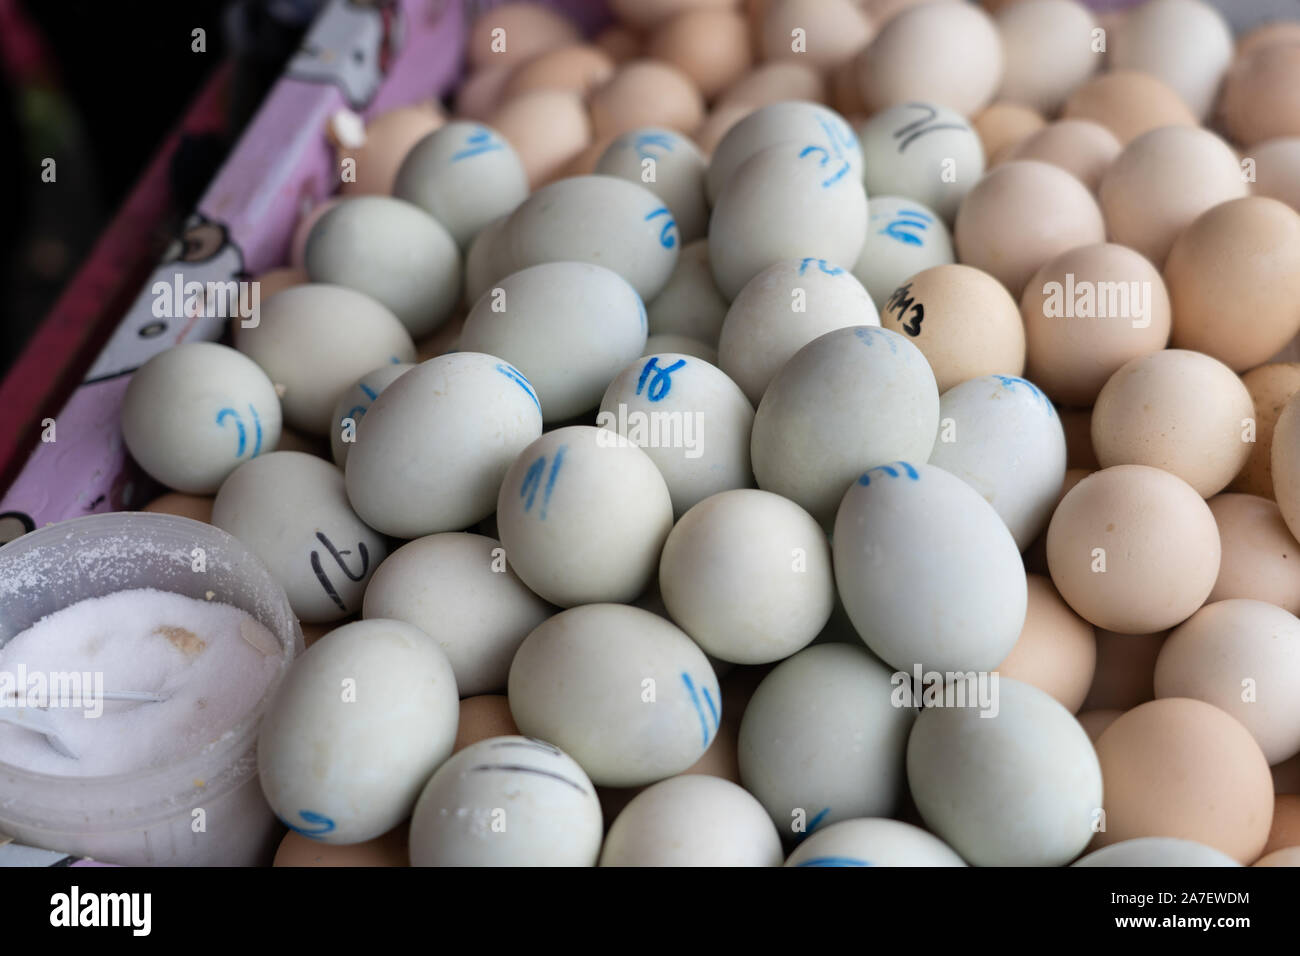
x: 337, y: 555
x: 530, y: 743
x: 908, y: 133
x: 902, y: 303
x: 518, y: 768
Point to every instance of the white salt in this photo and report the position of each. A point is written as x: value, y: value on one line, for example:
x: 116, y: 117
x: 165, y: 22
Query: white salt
x: 211, y: 663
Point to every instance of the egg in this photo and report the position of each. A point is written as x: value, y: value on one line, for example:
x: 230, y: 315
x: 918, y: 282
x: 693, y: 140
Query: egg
x: 1002, y: 125
x: 546, y: 128
x: 670, y: 166
x: 1182, y: 768
x: 1133, y: 549
x: 1050, y: 50
x: 513, y: 33
x: 1161, y: 182
x: 1086, y: 313
x: 1234, y: 280
x: 1259, y: 99
x: 1277, y: 169
x: 1290, y: 856
x: 1286, y: 464
x: 690, y: 304
x: 1157, y: 851
x: 821, y: 740
x: 485, y: 260
x: 192, y: 414
x: 1128, y: 103
x: 481, y: 92
x: 1284, y: 833
x: 355, y: 402
x: 195, y: 507
x: 823, y: 33
x: 1267, y: 34
x: 873, y: 842
x: 771, y: 83
x: 1125, y: 673
x: 390, y: 849
x: 1270, y: 387
x: 961, y: 37
x: 1022, y: 214
x: 646, y: 93
x: 1082, y: 148
x: 569, y: 327
x: 575, y: 69
x: 635, y: 676
x: 1186, y: 43
x: 781, y: 310
x: 1258, y: 552
x: 710, y: 45
x: 432, y: 450
x: 921, y: 151
x: 641, y: 14
x: 1029, y: 778
x: 356, y: 728
x: 904, y: 237
x: 847, y: 401
x: 1177, y: 410
x: 369, y: 166
x: 277, y: 280
x: 619, y: 43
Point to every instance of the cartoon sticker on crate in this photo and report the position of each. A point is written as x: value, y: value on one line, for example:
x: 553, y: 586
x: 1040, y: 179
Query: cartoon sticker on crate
x: 351, y: 45
x: 170, y: 309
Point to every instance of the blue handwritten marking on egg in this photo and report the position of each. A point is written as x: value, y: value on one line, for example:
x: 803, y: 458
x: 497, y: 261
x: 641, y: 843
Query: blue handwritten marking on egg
x: 825, y: 161
x: 870, y: 334
x: 318, y: 825
x: 666, y: 238
x: 646, y: 141
x: 695, y: 699
x: 532, y: 482
x: 891, y: 470
x: 661, y: 384
x: 822, y: 266
x: 833, y: 861
x: 480, y: 141
x: 905, y: 220
x: 1012, y: 382
x: 369, y: 392
x: 257, y: 431
x: 230, y: 413
x: 515, y: 376
x: 816, y: 821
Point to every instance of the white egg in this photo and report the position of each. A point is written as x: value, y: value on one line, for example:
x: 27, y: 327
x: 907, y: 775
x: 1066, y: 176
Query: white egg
x: 1001, y: 435
x: 598, y: 219
x: 781, y: 310
x: 1019, y: 786
x: 789, y: 121
x: 464, y: 175
x: 507, y: 801
x: 394, y: 252
x: 314, y: 341
x: 355, y: 402
x: 193, y: 413
x: 432, y: 450
x: 747, y: 574
x: 583, y: 514
x: 481, y: 265
x: 821, y: 740
x: 459, y: 589
x: 798, y: 199
x: 354, y: 732
x: 846, y: 401
x: 670, y: 166
x: 290, y: 509
x: 904, y: 237
x: 690, y: 304
x: 1157, y: 851
x: 692, y: 820
x: 690, y: 419
x: 927, y: 571
x: 924, y: 152
x: 570, y: 327
x: 1186, y: 43
x: 873, y: 842
x: 621, y: 690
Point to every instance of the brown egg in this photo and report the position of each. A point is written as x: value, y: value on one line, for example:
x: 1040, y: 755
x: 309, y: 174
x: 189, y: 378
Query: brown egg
x: 962, y: 320
x: 547, y: 128
x: 1077, y: 424
x: 1125, y: 673
x: 387, y: 850
x: 513, y: 33
x: 1021, y: 215
x: 1086, y: 313
x: 1259, y: 557
x: 1162, y: 181
x: 710, y: 46
x: 1036, y: 554
x: 1057, y: 649
x: 1178, y: 410
x: 1001, y: 126
x: 275, y: 280
x: 1082, y: 148
x: 1182, y: 768
x: 1271, y: 387
x: 195, y: 507
x: 574, y: 69
x: 1277, y: 169
x: 1286, y: 464
x: 1269, y: 34
x: 1260, y: 98
x: 388, y: 138
x: 718, y: 123
x: 772, y: 83
x: 619, y: 43
x: 1234, y: 280
x: 647, y: 13
x: 1049, y: 51
x: 646, y: 93
x: 1133, y: 549
x: 821, y: 33
x: 1286, y: 776
x: 1128, y: 104
x: 481, y: 717
x: 1095, y: 722
x: 1286, y: 857
x: 480, y: 94
x: 298, y: 244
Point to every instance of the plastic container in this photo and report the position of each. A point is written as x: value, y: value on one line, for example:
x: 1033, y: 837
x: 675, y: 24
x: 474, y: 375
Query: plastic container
x: 146, y: 817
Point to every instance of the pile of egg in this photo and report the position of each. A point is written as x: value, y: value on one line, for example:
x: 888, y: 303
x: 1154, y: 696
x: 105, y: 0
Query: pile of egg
x: 632, y: 445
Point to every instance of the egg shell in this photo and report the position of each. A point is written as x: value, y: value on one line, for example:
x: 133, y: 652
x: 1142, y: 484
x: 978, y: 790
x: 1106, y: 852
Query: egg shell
x: 1178, y: 410
x: 1186, y: 43
x: 485, y: 260
x: 1260, y: 98
x: 847, y: 401
x: 1284, y: 833
x: 389, y: 137
x: 771, y: 83
x: 922, y: 151
x: 1082, y: 148
x: 302, y: 231
x: 547, y: 129
x: 642, y: 14
x: 579, y: 69
x: 1259, y: 555
x: 904, y: 237
x: 1029, y: 779
x: 718, y: 124
x: 1268, y: 34
x: 1277, y: 169
x: 1125, y: 672
x: 831, y: 32
x: 646, y: 93
x: 355, y: 402
x: 580, y: 680
x: 963, y: 321
x: 676, y: 171
x: 873, y: 842
x: 1086, y: 313
x: 1286, y: 464
x: 709, y: 45
x: 1157, y: 851
x: 344, y: 767
x: 783, y: 308
x: 194, y: 507
x: 507, y: 801
x: 1182, y: 768
x: 1154, y: 535
x: 276, y: 280
x: 513, y: 33
x: 1048, y: 46
x: 193, y: 413
x: 1286, y: 857
x: 432, y: 450
x: 481, y: 92
x: 619, y: 43
x: 690, y: 303
x: 390, y: 849
x: 1270, y: 387
x: 1001, y: 126
x: 1128, y: 103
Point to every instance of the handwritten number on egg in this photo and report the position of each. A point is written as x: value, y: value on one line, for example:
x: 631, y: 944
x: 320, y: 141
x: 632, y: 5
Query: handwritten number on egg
x: 666, y: 237
x: 905, y: 220
x: 231, y: 415
x: 892, y: 470
x: 480, y: 141
x: 910, y: 312
x: 532, y: 482
x: 908, y: 133
x: 822, y: 266
x: 662, y: 383
x: 317, y: 824
x: 319, y: 570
